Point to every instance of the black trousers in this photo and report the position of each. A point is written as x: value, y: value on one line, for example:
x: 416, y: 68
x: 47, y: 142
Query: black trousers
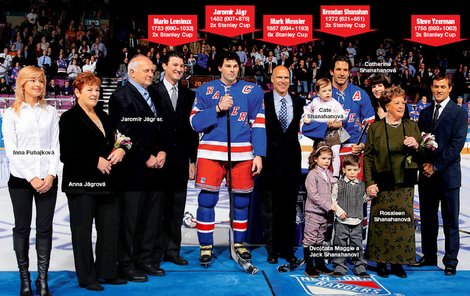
x: 104, y: 210
x: 140, y: 218
x: 169, y: 232
x: 430, y: 195
x: 279, y: 211
x: 22, y: 195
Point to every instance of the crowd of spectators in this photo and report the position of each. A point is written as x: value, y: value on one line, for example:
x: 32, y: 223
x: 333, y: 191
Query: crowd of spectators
x: 48, y: 38
x: 407, y: 66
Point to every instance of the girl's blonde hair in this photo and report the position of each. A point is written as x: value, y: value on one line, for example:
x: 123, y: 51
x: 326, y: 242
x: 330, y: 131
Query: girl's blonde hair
x: 24, y: 75
x: 318, y: 148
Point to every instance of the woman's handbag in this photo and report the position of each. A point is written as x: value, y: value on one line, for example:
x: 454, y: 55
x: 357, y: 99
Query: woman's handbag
x: 385, y: 180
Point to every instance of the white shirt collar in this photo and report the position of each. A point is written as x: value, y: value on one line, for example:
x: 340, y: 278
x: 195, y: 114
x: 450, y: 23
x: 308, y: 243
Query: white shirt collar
x: 24, y: 105
x: 347, y: 180
x: 443, y: 103
x: 169, y: 86
x: 278, y: 97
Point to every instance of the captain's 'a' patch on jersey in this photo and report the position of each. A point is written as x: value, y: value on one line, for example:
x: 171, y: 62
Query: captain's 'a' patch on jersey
x: 356, y: 96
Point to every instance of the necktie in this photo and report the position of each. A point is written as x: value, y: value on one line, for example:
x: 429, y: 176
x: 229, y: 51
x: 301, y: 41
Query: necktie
x: 436, y: 114
x: 150, y: 103
x: 283, y: 114
x: 174, y: 96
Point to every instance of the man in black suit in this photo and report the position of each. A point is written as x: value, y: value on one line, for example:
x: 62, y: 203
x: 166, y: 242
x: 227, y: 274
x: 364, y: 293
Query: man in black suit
x: 52, y: 88
x: 269, y: 67
x: 132, y: 44
x: 213, y: 61
x: 440, y: 178
x: 132, y: 109
x: 181, y: 141
x: 281, y: 178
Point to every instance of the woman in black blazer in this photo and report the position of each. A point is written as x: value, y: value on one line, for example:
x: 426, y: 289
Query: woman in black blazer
x: 87, y: 139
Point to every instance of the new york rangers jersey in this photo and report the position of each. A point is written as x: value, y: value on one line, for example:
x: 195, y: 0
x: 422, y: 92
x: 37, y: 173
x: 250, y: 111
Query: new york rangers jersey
x: 247, y: 121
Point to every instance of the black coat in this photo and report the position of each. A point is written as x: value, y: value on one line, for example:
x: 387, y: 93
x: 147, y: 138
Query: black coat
x: 282, y: 165
x: 81, y: 145
x: 181, y: 141
x: 133, y: 117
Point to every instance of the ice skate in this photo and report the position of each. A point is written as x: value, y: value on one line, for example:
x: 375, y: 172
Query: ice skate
x: 205, y: 255
x: 242, y: 251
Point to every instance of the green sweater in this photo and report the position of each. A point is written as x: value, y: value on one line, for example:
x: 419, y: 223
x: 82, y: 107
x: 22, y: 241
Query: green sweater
x: 376, y: 153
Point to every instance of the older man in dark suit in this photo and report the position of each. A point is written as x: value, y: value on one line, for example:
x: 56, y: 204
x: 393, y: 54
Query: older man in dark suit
x: 181, y: 141
x: 132, y: 109
x: 281, y: 178
x: 440, y: 178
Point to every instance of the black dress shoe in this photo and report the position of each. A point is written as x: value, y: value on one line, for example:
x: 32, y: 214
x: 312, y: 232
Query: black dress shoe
x: 450, y: 271
x: 115, y: 281
x: 424, y: 261
x: 133, y: 275
x: 272, y: 259
x: 292, y: 259
x: 156, y: 262
x: 150, y: 269
x: 93, y: 287
x: 176, y: 259
x: 321, y: 267
x: 382, y: 270
x: 398, y: 270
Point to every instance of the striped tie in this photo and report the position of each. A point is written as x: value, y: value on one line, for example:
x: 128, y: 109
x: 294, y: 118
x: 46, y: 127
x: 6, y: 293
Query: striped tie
x: 150, y: 103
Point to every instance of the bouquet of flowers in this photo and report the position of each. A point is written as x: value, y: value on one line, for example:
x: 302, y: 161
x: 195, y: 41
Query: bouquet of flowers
x: 428, y: 141
x: 121, y: 140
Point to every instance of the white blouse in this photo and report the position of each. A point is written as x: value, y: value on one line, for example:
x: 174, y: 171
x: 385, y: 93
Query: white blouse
x: 31, y: 140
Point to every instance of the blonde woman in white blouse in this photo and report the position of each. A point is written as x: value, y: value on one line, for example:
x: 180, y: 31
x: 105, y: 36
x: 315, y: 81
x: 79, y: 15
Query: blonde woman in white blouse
x: 31, y: 135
